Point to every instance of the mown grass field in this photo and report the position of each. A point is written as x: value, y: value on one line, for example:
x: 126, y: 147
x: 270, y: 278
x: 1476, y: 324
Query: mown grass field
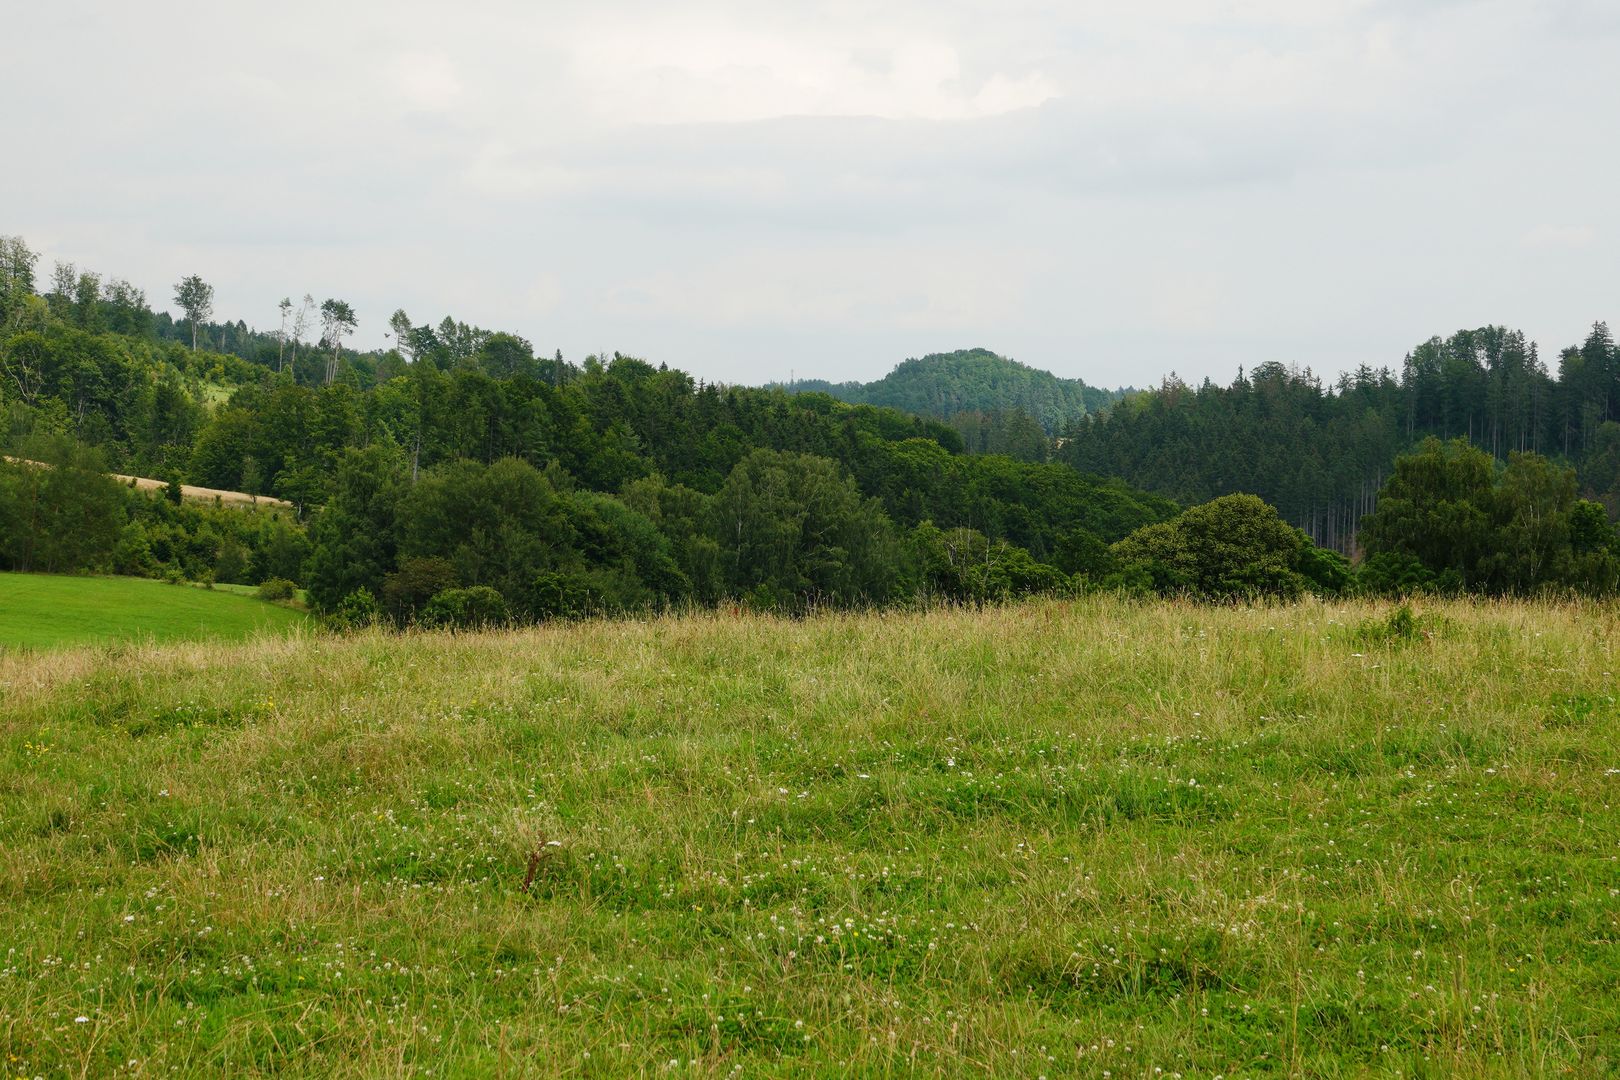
x: 1066, y: 839
x: 39, y: 611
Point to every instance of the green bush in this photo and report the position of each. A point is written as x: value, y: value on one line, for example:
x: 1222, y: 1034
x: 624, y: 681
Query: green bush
x: 1327, y: 571
x: 1399, y: 627
x: 559, y: 596
x: 279, y: 589
x: 356, y: 610
x: 417, y: 581
x: 1232, y: 548
x: 965, y: 566
x: 1394, y: 573
x: 473, y: 608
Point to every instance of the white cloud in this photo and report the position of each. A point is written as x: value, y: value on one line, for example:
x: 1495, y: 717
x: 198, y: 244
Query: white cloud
x: 425, y: 80
x: 861, y: 284
x: 673, y: 70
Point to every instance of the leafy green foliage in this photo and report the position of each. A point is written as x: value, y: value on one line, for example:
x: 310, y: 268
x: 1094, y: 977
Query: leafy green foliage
x: 277, y: 590
x: 356, y: 537
x: 1470, y: 523
x: 17, y: 264
x: 1326, y: 572
x: 418, y: 579
x: 460, y: 459
x: 965, y: 566
x: 796, y: 532
x: 196, y: 298
x: 567, y: 489
x: 1392, y: 573
x: 356, y: 611
x: 1401, y: 626
x: 59, y: 511
x: 1234, y: 547
x: 475, y: 608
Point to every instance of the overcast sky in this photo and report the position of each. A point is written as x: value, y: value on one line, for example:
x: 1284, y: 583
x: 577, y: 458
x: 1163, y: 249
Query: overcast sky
x: 1108, y: 190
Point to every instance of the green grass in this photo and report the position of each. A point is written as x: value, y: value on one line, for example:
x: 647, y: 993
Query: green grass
x: 235, y: 590
x: 39, y: 611
x: 301, y: 595
x: 1067, y: 839
x: 213, y: 394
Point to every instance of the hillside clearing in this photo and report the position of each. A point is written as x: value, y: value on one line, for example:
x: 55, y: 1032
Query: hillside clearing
x: 217, y: 496
x: 1083, y: 838
x: 39, y: 611
x: 239, y: 499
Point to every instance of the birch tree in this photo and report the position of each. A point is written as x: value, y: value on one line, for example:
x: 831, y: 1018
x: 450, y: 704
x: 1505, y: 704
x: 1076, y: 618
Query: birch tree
x: 300, y: 325
x: 337, y: 322
x: 196, y: 298
x: 281, y: 335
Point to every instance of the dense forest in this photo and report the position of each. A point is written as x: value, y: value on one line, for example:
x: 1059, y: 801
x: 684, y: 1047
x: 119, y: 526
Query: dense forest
x: 459, y: 459
x: 457, y: 478
x: 1321, y: 452
x: 997, y: 405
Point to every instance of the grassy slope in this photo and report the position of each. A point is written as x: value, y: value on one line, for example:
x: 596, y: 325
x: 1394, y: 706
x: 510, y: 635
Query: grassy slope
x: 41, y: 611
x: 1051, y: 840
x: 302, y: 595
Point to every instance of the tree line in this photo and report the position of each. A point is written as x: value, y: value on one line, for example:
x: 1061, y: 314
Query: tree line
x: 607, y: 485
x: 459, y: 478
x: 468, y: 544
x: 1320, y: 453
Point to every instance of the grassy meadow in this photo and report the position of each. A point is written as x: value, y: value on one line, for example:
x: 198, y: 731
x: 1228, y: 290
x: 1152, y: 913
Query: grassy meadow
x: 1085, y: 838
x: 39, y: 611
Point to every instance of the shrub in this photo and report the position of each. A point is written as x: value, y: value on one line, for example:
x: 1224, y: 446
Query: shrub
x: 356, y: 610
x: 1327, y: 571
x: 965, y: 566
x: 231, y: 565
x: 417, y: 581
x: 279, y: 589
x: 1399, y: 627
x: 465, y: 609
x: 1394, y: 573
x: 1234, y: 547
x: 554, y: 595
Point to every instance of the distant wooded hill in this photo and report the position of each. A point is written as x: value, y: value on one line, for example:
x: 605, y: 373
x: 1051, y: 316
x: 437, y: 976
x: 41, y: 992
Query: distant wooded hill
x: 971, y: 388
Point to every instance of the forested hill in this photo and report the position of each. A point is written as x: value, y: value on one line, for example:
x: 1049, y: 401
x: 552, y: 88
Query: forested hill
x: 973, y: 381
x: 1319, y: 452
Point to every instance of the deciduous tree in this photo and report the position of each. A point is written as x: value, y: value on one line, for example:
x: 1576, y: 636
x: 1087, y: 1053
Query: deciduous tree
x: 196, y: 298
x: 337, y: 323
